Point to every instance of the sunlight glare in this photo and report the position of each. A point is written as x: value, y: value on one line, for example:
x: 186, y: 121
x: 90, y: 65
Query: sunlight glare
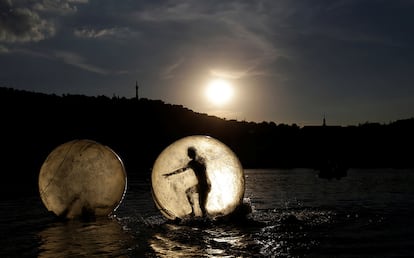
x: 219, y: 92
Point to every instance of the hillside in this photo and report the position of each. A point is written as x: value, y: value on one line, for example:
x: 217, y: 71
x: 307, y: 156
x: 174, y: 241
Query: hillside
x: 33, y: 124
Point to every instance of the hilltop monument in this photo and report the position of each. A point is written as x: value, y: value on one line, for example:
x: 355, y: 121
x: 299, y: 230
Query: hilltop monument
x: 136, y: 90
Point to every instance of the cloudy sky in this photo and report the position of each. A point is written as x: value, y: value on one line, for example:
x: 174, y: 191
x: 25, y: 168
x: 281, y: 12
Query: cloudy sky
x: 288, y: 61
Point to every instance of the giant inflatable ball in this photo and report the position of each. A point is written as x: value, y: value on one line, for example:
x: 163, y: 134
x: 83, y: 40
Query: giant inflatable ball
x: 197, y: 177
x: 82, y: 178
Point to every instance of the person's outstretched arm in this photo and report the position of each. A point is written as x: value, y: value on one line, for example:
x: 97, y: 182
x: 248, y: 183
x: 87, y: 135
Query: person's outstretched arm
x: 180, y: 170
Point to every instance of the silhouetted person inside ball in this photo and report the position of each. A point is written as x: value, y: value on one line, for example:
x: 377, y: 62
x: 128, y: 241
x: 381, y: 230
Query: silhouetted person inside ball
x: 197, y: 165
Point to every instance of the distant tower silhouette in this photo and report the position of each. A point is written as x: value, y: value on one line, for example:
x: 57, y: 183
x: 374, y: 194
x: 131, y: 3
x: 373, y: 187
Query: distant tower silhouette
x: 324, y: 121
x: 136, y: 90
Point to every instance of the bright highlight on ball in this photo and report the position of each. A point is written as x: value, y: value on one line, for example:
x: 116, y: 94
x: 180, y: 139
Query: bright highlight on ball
x: 82, y: 178
x: 219, y: 92
x: 197, y: 176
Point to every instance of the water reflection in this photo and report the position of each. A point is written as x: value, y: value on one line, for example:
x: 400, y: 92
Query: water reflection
x: 104, y: 237
x: 173, y: 240
x: 295, y: 214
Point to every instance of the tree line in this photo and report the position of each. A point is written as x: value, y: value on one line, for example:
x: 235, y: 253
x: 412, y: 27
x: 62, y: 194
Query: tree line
x: 33, y: 124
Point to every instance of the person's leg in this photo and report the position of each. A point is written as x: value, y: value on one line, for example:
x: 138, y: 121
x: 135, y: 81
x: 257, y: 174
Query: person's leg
x: 202, y: 199
x: 189, y: 193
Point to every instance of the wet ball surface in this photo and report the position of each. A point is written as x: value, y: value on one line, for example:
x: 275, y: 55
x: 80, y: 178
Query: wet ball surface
x: 82, y: 177
x: 197, y: 176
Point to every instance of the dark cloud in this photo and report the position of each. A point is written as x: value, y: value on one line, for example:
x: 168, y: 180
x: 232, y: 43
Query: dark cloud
x: 103, y: 33
x: 294, y: 59
x: 32, y: 21
x: 61, y: 7
x: 22, y: 24
x: 3, y: 49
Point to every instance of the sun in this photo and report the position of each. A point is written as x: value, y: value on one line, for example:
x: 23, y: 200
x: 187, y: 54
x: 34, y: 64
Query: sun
x: 219, y: 92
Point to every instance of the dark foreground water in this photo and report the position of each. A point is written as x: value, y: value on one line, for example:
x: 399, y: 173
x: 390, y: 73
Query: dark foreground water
x: 369, y: 213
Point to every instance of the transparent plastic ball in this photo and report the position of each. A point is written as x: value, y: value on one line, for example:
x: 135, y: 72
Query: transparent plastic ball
x: 82, y: 178
x: 197, y: 176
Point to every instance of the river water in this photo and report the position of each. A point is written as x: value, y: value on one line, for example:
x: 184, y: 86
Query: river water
x: 368, y: 213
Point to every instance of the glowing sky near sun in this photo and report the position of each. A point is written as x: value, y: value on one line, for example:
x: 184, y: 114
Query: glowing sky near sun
x: 287, y: 61
x: 219, y: 92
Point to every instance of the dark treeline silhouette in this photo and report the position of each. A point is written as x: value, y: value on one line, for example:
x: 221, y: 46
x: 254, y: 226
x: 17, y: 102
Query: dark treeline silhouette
x: 33, y: 124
